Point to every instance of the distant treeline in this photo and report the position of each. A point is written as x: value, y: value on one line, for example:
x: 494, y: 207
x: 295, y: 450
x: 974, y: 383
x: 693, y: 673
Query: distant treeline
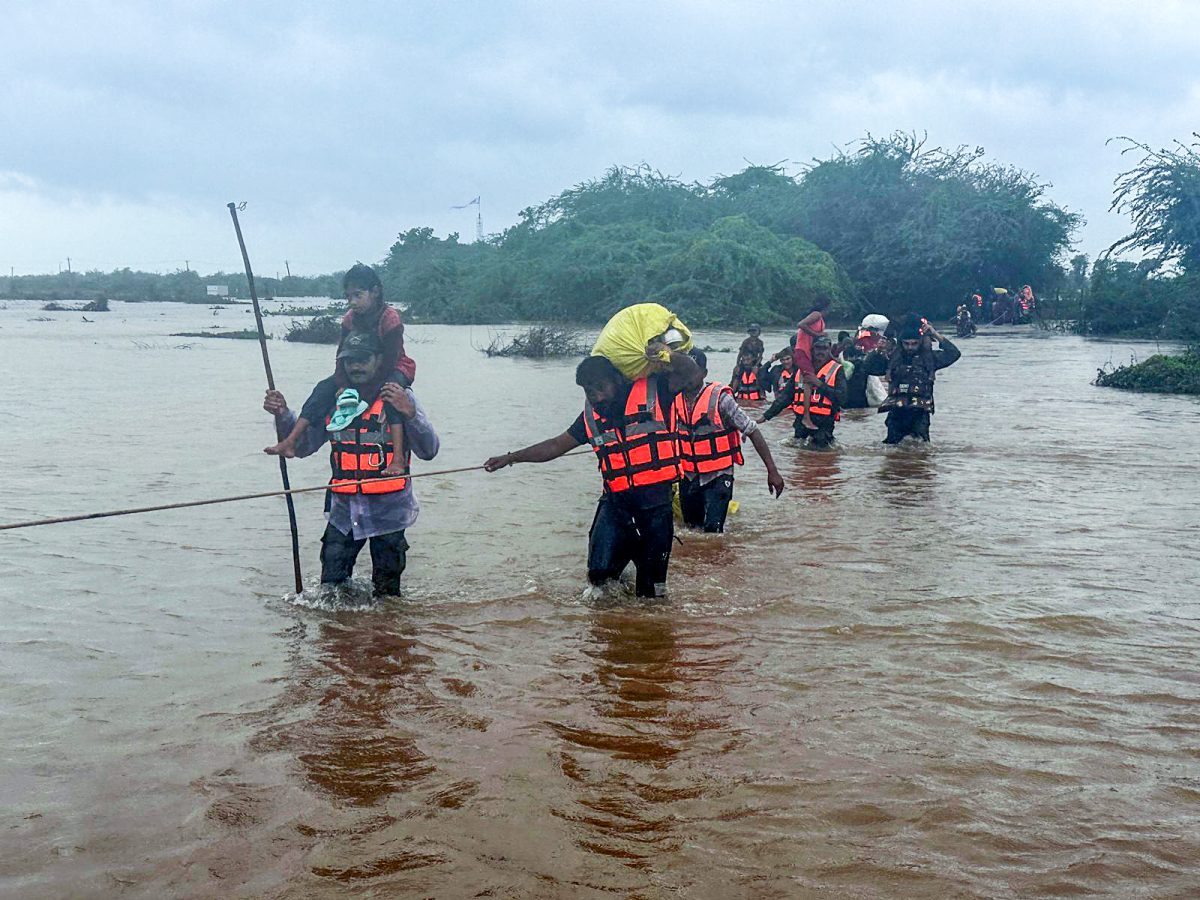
x: 891, y: 226
x: 183, y: 287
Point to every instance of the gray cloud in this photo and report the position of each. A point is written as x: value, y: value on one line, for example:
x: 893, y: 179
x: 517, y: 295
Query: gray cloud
x: 127, y: 126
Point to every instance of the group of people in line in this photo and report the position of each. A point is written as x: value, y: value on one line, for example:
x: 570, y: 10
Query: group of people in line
x: 1007, y: 307
x: 668, y: 434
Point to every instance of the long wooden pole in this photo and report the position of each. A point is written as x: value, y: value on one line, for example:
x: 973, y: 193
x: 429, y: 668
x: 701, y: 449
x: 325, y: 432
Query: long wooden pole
x: 262, y: 343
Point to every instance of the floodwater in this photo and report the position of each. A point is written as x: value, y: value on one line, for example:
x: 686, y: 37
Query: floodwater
x: 967, y: 670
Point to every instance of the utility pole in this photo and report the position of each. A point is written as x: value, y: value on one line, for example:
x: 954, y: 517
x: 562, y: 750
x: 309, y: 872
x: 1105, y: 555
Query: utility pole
x: 68, y: 264
x: 479, y: 222
x: 186, y: 267
x: 289, y: 268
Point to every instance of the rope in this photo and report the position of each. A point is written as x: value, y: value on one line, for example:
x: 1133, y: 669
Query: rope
x: 239, y: 497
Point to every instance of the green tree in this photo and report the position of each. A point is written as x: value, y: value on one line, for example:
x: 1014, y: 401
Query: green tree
x: 1162, y: 196
x: 916, y: 227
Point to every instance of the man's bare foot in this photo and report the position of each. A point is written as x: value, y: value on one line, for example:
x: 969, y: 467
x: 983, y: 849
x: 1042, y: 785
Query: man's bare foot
x: 285, y: 448
x: 808, y: 423
x: 394, y: 472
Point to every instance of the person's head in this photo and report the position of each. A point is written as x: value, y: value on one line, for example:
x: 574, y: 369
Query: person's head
x: 753, y: 330
x: 821, y: 303
x: 361, y: 356
x: 822, y: 351
x: 746, y: 360
x: 362, y: 288
x: 697, y: 380
x: 600, y: 379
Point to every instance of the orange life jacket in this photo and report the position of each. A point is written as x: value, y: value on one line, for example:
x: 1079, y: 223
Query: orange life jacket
x: 785, y: 380
x: 361, y: 451
x: 706, y: 443
x: 747, y: 387
x: 820, y: 405
x: 642, y: 453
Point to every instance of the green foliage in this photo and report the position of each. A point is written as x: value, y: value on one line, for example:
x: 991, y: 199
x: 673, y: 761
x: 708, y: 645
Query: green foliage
x: 1162, y: 196
x: 632, y: 235
x: 184, y: 286
x: 1158, y: 374
x: 318, y: 330
x: 244, y: 335
x: 1128, y: 298
x: 916, y: 227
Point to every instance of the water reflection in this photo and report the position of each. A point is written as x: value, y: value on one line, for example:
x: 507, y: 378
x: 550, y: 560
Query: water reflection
x: 907, y: 475
x: 352, y: 712
x: 652, y: 703
x: 815, y: 475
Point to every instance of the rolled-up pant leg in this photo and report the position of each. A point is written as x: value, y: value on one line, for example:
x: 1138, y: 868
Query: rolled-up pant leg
x: 338, y: 553
x: 321, y: 401
x: 389, y: 557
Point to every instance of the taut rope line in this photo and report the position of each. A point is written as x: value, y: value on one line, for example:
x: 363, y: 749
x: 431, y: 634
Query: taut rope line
x: 147, y: 509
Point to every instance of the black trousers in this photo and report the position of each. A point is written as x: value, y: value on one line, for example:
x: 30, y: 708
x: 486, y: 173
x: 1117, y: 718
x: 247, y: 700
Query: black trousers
x: 622, y: 533
x: 821, y: 436
x: 389, y: 557
x: 902, y: 423
x: 321, y: 401
x: 706, y: 506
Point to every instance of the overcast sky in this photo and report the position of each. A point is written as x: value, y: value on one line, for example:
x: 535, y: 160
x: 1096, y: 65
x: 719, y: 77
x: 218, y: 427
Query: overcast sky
x: 126, y: 127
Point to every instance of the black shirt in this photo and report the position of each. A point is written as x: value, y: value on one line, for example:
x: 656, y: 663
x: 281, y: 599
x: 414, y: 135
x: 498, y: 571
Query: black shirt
x: 614, y: 413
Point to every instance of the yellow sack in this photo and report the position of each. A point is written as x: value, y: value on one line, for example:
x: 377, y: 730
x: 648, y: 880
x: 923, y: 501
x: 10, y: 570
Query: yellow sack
x: 677, y: 504
x: 623, y: 340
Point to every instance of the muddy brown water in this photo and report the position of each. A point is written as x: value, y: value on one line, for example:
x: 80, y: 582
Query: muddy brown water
x: 967, y: 670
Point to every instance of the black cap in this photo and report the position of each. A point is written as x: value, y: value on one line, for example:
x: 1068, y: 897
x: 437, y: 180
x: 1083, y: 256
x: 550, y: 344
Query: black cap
x: 700, y: 357
x: 361, y: 343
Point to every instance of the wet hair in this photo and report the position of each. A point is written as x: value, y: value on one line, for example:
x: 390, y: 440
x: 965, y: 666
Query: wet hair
x: 822, y: 342
x: 361, y: 277
x: 701, y: 359
x: 842, y: 335
x: 821, y: 303
x: 596, y: 370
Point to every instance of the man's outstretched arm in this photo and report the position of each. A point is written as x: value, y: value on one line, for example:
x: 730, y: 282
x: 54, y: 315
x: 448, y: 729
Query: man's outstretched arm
x: 543, y: 451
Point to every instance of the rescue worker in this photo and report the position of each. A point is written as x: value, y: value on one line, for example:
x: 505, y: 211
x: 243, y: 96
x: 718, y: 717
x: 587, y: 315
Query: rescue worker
x: 361, y: 506
x: 911, y: 370
x: 710, y: 426
x: 631, y: 429
x: 745, y: 381
x: 964, y: 324
x: 753, y: 344
x: 829, y: 393
x: 779, y: 377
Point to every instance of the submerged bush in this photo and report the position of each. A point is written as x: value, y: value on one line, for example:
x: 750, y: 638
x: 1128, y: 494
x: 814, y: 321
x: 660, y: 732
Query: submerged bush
x: 541, y: 342
x: 1160, y: 374
x: 319, y: 330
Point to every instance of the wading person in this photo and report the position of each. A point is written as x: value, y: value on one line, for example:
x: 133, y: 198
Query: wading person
x: 828, y: 389
x: 631, y: 429
x: 753, y: 344
x: 910, y: 370
x: 811, y: 327
x: 362, y: 505
x: 368, y: 312
x: 710, y: 426
x: 745, y: 381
